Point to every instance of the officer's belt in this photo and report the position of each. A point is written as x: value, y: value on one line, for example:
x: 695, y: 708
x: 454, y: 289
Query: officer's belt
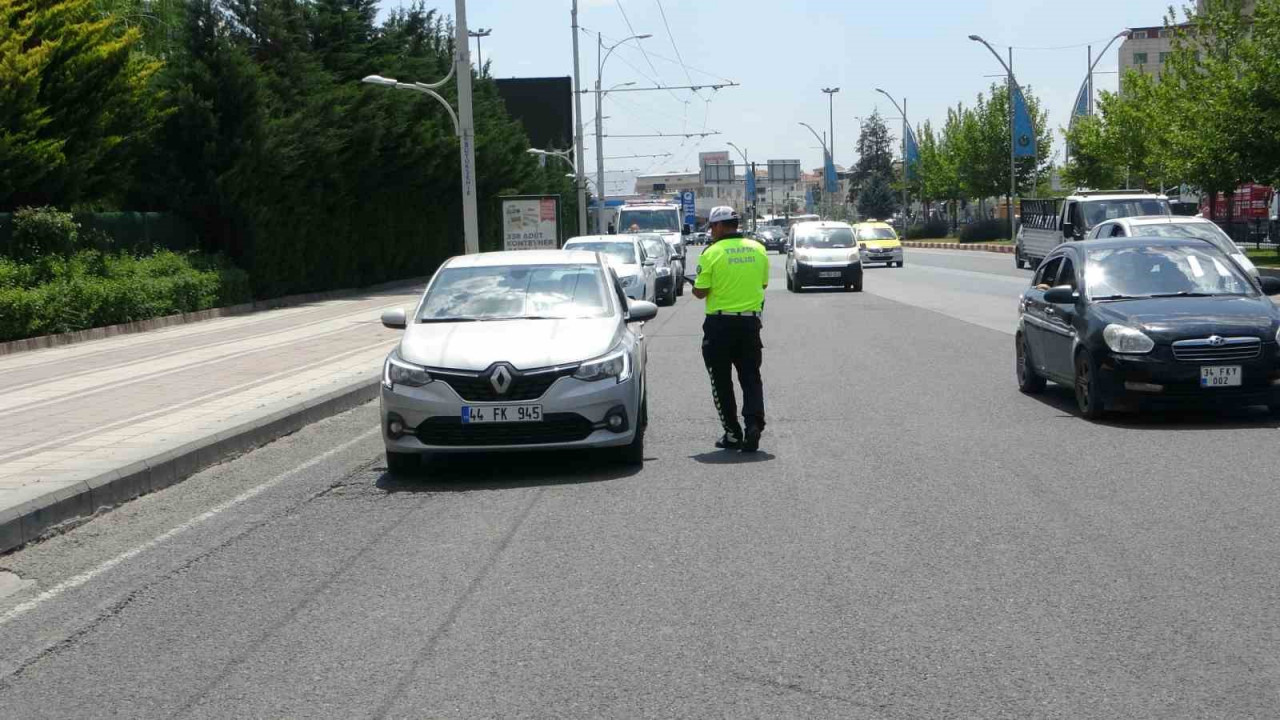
x: 748, y: 313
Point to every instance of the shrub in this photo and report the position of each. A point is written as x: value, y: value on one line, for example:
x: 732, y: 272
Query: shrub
x: 928, y: 230
x: 43, y: 231
x: 984, y: 231
x: 92, y: 289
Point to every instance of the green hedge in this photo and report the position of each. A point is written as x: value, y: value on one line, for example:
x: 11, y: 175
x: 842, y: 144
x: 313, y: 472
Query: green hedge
x: 137, y: 232
x: 930, y: 230
x: 93, y: 289
x: 984, y: 231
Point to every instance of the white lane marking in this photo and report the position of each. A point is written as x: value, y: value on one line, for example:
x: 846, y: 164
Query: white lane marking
x: 78, y: 580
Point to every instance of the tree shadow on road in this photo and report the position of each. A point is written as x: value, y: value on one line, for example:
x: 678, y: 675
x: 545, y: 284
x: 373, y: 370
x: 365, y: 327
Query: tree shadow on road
x: 505, y: 471
x: 1063, y: 398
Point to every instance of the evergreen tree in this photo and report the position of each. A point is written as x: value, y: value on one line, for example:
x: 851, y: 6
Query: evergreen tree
x: 875, y: 154
x: 877, y: 199
x: 75, y: 103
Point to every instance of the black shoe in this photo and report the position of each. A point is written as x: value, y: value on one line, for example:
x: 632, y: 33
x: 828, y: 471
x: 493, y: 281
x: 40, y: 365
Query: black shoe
x: 752, y: 441
x: 728, y: 442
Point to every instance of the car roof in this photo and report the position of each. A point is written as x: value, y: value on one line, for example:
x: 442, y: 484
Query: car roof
x: 1164, y: 220
x: 874, y: 223
x: 821, y: 224
x: 524, y: 257
x: 1117, y: 196
x: 1138, y: 241
x: 625, y: 238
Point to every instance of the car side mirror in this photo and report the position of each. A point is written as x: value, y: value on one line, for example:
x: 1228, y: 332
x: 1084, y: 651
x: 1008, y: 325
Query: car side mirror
x: 641, y: 311
x: 394, y: 319
x: 1270, y: 285
x: 1061, y: 295
x: 648, y: 262
x: 1068, y: 229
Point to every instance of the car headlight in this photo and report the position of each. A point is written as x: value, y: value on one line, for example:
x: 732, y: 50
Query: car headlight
x: 632, y: 281
x: 616, y: 364
x: 855, y: 256
x: 1125, y: 340
x: 1278, y: 335
x: 398, y: 372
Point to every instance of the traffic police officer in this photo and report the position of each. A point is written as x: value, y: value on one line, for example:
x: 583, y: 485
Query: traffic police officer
x: 732, y: 276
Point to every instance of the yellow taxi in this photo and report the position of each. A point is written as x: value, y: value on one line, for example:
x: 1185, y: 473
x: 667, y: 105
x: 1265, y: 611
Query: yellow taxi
x: 878, y: 243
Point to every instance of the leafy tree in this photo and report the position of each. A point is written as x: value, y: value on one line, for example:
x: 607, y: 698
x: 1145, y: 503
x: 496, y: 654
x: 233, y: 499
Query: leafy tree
x: 1126, y: 144
x: 877, y: 199
x: 75, y: 103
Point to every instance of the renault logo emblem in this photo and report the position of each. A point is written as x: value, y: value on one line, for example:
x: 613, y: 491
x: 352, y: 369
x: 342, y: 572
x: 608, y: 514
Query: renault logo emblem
x: 1217, y: 341
x: 501, y: 379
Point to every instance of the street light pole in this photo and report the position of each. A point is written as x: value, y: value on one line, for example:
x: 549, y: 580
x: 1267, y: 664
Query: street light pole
x: 463, y: 123
x: 477, y: 34
x: 831, y: 122
x: 577, y: 154
x: 1013, y: 143
x: 902, y: 110
x: 746, y: 169
x: 601, y: 58
x: 823, y: 142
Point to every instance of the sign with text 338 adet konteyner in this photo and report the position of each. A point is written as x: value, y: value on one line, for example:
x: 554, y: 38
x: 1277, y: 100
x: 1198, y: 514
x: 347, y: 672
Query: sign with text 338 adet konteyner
x: 531, y: 222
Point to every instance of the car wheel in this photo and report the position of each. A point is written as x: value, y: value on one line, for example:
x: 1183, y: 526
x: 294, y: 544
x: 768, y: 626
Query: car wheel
x: 1029, y: 381
x: 1088, y: 396
x: 633, y: 454
x: 1018, y: 261
x: 857, y: 284
x: 679, y: 291
x: 402, y: 463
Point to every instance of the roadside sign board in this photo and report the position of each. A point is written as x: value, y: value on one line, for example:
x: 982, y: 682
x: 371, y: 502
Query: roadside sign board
x: 688, y: 208
x: 531, y: 222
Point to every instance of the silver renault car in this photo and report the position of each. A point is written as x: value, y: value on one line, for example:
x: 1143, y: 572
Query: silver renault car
x: 536, y: 349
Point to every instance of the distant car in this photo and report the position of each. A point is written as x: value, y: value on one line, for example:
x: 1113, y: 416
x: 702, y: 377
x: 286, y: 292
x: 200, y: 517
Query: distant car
x: 670, y: 271
x: 701, y: 238
x: 1149, y: 321
x: 879, y: 243
x: 525, y: 350
x: 1176, y: 226
x: 626, y: 255
x: 823, y: 253
x: 773, y: 239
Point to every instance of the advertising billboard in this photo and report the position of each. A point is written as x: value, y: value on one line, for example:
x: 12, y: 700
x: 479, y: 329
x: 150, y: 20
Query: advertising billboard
x: 716, y: 167
x: 531, y: 222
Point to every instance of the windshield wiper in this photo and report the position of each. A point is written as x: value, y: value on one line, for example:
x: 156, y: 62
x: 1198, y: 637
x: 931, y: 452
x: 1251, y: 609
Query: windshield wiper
x: 1120, y: 297
x: 1183, y: 293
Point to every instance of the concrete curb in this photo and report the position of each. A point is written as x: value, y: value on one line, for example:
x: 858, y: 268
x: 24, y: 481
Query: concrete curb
x: 48, y: 341
x: 980, y: 247
x: 69, y: 506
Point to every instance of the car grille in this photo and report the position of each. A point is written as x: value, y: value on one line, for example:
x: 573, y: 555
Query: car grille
x: 554, y: 428
x: 1217, y: 349
x: 476, y: 387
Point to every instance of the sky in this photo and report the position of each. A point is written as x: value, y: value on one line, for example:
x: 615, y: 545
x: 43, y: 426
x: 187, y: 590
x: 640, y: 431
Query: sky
x: 782, y: 53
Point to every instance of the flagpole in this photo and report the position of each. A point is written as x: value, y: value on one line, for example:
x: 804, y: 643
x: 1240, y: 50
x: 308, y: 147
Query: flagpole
x: 905, y: 164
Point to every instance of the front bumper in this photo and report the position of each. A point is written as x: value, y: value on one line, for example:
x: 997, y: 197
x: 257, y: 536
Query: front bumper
x: 574, y: 413
x: 813, y: 274
x: 889, y: 255
x: 1157, y: 380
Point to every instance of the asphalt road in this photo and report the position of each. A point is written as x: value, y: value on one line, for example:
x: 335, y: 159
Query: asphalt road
x: 917, y: 540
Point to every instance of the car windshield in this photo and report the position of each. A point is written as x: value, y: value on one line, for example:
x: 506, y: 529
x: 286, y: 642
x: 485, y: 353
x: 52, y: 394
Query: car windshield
x: 663, y: 219
x: 1162, y: 271
x: 1100, y: 211
x: 615, y: 251
x: 877, y: 234
x: 511, y: 292
x: 825, y: 238
x: 655, y: 247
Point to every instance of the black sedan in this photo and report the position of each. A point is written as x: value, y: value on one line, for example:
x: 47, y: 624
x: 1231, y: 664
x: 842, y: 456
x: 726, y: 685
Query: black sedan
x: 773, y: 239
x: 669, y: 269
x: 1144, y: 322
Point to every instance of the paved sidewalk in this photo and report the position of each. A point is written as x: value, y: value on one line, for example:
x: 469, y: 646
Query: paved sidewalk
x: 92, y: 425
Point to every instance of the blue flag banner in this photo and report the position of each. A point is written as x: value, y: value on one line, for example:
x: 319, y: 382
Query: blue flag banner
x: 808, y: 201
x: 833, y: 185
x: 1024, y: 132
x: 913, y: 154
x: 751, y: 186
